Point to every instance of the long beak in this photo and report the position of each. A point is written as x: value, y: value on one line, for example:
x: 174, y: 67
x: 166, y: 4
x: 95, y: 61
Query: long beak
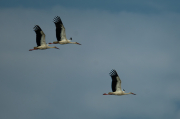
x: 50, y: 43
x: 78, y: 43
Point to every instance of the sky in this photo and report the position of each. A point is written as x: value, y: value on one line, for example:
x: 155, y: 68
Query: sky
x: 140, y: 39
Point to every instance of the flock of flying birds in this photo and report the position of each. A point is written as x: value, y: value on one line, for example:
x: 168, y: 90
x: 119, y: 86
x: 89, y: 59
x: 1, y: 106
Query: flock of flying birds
x: 60, y: 35
x: 61, y: 39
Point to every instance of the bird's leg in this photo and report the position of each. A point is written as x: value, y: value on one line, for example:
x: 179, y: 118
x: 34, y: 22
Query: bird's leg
x: 78, y: 43
x: 35, y: 48
x: 105, y: 94
x: 53, y: 43
x: 56, y: 48
x: 56, y: 42
x: 133, y: 94
x: 110, y: 93
x: 32, y: 49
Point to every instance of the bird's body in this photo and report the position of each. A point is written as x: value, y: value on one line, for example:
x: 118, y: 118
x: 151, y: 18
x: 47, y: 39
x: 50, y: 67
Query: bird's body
x: 116, y: 85
x: 64, y: 42
x: 118, y: 93
x: 40, y: 40
x: 43, y: 47
x: 61, y: 33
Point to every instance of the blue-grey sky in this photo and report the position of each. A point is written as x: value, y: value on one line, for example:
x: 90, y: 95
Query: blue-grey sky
x: 140, y: 39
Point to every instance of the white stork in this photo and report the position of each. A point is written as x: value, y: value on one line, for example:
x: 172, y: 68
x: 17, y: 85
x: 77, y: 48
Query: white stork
x: 116, y: 85
x: 40, y: 39
x: 61, y: 33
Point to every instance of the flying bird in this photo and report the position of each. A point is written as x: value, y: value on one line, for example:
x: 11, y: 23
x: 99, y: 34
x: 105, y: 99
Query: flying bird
x: 40, y: 39
x: 61, y: 33
x: 116, y: 85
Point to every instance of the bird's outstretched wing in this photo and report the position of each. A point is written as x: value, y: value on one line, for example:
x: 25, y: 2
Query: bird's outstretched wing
x: 40, y: 36
x: 116, y: 81
x: 60, y: 30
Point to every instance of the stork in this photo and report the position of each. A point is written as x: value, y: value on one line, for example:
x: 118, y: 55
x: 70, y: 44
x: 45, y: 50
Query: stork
x: 116, y: 85
x: 40, y: 39
x: 61, y: 33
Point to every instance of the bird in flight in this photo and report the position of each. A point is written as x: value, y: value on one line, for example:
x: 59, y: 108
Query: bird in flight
x: 40, y: 39
x: 61, y: 33
x: 116, y: 85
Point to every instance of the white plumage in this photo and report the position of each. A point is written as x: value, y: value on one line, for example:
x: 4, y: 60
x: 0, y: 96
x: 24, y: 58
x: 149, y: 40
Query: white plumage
x: 61, y: 33
x: 40, y: 39
x: 116, y: 85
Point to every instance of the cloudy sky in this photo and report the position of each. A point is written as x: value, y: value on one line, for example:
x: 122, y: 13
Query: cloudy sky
x: 140, y: 39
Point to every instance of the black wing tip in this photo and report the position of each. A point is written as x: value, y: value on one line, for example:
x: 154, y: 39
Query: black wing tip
x: 36, y: 28
x: 57, y: 19
x: 113, y: 73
